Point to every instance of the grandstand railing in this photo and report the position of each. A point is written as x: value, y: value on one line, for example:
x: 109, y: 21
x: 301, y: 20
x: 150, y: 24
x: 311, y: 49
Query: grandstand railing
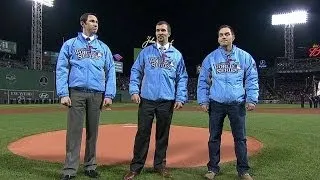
x: 298, y: 65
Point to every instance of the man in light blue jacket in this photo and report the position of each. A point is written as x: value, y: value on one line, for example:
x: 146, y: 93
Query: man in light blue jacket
x: 228, y: 85
x: 86, y: 81
x: 158, y: 83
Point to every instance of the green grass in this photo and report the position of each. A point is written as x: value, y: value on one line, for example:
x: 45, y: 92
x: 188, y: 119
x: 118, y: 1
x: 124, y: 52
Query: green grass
x: 291, y: 146
x: 280, y: 106
x: 5, y: 106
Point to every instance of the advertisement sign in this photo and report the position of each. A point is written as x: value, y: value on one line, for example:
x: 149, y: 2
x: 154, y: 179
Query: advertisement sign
x: 314, y: 51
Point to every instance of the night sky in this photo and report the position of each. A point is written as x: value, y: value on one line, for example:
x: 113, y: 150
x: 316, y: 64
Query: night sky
x: 124, y: 25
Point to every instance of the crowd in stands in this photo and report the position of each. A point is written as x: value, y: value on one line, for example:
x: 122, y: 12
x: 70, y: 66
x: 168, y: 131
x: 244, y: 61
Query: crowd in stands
x: 11, y: 63
x: 123, y: 83
x: 265, y: 93
x: 288, y: 89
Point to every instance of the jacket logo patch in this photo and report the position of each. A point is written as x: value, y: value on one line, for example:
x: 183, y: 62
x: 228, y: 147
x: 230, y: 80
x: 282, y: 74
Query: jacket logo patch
x: 88, y: 53
x: 157, y: 62
x: 227, y: 67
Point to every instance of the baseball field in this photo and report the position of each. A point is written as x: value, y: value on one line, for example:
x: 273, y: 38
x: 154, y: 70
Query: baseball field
x: 290, y: 137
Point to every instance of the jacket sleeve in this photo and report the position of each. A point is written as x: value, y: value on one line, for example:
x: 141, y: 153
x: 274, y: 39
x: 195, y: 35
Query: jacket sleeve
x: 251, y: 81
x: 203, y: 83
x: 136, y: 75
x: 62, y: 71
x: 110, y: 75
x: 182, y: 82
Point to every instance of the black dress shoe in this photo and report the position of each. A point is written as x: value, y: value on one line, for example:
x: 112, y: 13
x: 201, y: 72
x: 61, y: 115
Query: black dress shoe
x: 92, y: 173
x: 67, y: 177
x: 130, y: 175
x: 164, y: 172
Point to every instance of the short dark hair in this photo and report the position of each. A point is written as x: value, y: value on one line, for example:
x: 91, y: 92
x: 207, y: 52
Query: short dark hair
x: 226, y: 26
x: 84, y: 17
x: 166, y: 23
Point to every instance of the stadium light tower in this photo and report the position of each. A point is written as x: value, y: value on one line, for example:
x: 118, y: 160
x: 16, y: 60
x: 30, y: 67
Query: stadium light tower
x: 289, y: 20
x: 36, y: 32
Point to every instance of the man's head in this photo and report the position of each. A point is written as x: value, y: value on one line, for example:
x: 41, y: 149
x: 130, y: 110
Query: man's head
x: 89, y: 23
x: 226, y: 36
x: 163, y: 32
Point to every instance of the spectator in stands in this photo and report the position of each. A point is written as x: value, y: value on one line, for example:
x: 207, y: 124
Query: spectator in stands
x: 310, y: 100
x: 315, y: 101
x: 302, y: 99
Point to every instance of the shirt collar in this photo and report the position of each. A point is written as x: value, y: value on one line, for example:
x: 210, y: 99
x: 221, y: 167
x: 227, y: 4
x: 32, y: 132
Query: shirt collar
x: 166, y: 47
x: 228, y: 53
x: 85, y: 37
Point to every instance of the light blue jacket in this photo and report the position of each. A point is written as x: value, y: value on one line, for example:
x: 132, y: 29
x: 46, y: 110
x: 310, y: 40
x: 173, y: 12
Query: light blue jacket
x: 228, y: 78
x: 85, y: 65
x: 159, y: 77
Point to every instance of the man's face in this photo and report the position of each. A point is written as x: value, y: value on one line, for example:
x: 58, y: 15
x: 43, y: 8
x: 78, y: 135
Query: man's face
x: 162, y: 33
x: 91, y: 25
x: 225, y: 37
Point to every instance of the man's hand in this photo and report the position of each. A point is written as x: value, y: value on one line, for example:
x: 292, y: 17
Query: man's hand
x: 250, y: 106
x: 204, y: 107
x: 66, y: 101
x: 135, y: 98
x: 178, y: 105
x: 107, y: 101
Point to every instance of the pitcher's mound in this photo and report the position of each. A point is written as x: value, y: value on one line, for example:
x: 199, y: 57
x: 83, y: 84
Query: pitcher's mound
x: 188, y: 146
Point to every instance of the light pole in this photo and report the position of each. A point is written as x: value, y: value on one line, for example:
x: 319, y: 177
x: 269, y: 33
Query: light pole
x: 36, y: 32
x: 289, y: 20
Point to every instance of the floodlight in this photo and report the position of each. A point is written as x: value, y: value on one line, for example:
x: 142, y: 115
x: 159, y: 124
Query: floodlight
x: 289, y: 20
x: 48, y: 3
x: 295, y: 17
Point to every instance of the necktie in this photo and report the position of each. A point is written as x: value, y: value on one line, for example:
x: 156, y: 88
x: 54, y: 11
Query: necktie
x: 88, y: 45
x: 162, y: 49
